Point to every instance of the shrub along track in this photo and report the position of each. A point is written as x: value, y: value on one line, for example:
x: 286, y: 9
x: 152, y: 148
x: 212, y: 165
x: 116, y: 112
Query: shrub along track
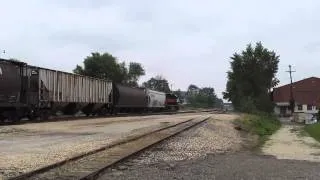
x: 90, y: 165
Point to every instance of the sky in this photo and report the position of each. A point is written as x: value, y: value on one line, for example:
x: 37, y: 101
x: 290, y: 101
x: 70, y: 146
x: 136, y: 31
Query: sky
x: 185, y: 41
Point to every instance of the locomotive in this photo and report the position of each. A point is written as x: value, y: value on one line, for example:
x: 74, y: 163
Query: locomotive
x: 36, y: 92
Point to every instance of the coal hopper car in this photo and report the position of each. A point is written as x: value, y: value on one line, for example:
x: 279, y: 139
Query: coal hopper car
x: 128, y: 99
x: 70, y: 93
x: 29, y: 91
x: 36, y: 92
x: 12, y: 89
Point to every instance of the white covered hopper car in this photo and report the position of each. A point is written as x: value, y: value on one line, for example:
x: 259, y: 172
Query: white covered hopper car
x: 156, y: 100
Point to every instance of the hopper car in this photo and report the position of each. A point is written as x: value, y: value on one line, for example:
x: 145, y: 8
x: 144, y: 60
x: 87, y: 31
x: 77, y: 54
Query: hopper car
x: 36, y: 92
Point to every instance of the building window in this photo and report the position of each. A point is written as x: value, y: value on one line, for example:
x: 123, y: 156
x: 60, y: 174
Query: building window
x: 309, y: 108
x: 300, y: 107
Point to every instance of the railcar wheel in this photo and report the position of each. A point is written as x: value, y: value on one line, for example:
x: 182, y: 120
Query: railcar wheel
x: 31, y: 117
x: 44, y: 115
x: 104, y: 112
x: 115, y: 111
x: 2, y: 118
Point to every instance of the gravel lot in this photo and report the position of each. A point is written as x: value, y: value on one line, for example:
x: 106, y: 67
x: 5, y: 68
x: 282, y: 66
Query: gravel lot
x: 231, y: 166
x: 30, y: 146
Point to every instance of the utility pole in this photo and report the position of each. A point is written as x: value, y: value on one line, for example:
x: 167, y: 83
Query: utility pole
x: 291, y: 91
x: 3, y: 52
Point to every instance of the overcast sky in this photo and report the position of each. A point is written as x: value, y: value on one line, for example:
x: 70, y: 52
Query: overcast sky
x: 186, y: 41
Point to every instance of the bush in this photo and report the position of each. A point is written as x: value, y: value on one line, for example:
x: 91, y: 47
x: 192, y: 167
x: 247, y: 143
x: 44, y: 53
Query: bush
x: 247, y: 105
x: 255, y: 105
x: 263, y: 103
x: 261, y: 125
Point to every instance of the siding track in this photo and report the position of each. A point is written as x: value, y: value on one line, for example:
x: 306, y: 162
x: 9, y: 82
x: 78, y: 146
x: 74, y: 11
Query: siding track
x: 83, y: 117
x: 91, y: 164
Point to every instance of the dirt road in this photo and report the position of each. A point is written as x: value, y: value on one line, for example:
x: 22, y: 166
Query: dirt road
x: 234, y: 166
x: 289, y: 142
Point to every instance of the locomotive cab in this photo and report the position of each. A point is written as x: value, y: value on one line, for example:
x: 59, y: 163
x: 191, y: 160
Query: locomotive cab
x: 172, y: 102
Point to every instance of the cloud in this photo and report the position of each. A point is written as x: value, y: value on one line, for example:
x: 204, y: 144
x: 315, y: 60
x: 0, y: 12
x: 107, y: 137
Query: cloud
x: 186, y: 41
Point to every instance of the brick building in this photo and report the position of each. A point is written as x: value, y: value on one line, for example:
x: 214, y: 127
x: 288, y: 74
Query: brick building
x: 306, y: 94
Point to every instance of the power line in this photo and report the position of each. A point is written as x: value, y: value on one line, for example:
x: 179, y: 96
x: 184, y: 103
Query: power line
x: 291, y: 91
x: 2, y: 52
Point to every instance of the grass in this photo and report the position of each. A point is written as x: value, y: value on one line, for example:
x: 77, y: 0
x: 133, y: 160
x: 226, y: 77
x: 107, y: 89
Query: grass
x: 261, y: 125
x: 313, y: 130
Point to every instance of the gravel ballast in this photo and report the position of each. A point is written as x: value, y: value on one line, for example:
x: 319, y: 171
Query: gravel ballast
x: 216, y: 136
x: 213, y: 136
x: 214, y: 150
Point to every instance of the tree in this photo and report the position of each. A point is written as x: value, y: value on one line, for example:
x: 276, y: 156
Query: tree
x: 192, y: 90
x: 219, y: 103
x: 180, y: 95
x: 135, y: 71
x: 106, y: 66
x: 201, y: 97
x: 192, y: 87
x: 158, y: 83
x: 79, y: 70
x: 251, y: 78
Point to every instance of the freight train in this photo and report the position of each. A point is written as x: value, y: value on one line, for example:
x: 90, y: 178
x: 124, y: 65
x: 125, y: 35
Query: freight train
x: 35, y: 92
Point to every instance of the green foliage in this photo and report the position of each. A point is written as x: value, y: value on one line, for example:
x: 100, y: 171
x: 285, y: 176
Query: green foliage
x: 135, y: 71
x: 202, y: 97
x: 261, y: 125
x: 157, y: 83
x: 192, y: 87
x: 219, y: 103
x: 251, y: 78
x: 106, y: 66
x: 247, y: 105
x: 313, y: 130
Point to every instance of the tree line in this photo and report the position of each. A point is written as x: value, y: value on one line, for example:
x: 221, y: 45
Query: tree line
x: 204, y: 97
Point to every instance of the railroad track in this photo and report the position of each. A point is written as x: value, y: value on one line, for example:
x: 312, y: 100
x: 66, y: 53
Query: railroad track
x: 74, y: 118
x: 91, y: 164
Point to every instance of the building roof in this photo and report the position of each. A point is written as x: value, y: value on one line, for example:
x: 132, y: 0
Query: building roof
x: 306, y: 91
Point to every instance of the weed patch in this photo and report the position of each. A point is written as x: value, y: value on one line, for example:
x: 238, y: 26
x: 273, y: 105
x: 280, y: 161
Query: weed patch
x: 261, y: 125
x: 313, y: 130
